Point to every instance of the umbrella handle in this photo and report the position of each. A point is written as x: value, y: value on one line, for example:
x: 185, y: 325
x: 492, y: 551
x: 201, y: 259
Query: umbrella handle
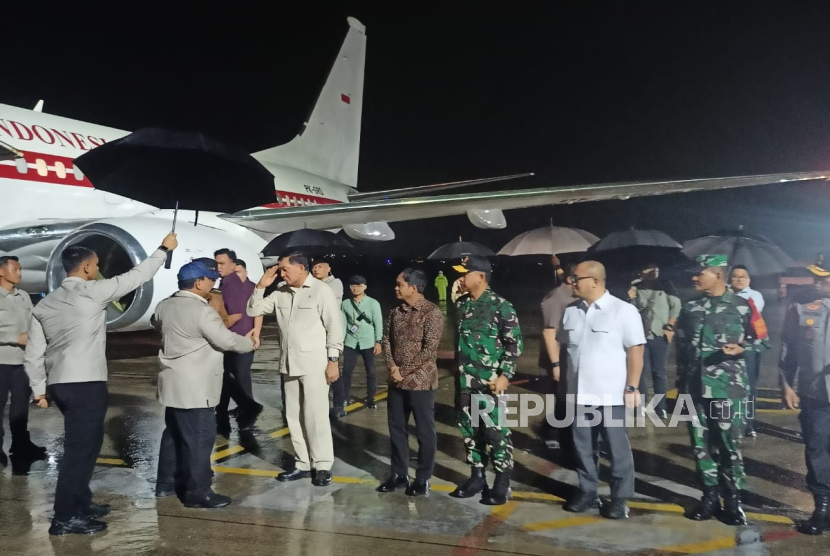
x: 169, y: 260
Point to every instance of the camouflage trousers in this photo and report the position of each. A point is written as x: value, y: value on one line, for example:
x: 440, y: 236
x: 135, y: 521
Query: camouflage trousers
x: 717, y: 442
x: 482, y: 442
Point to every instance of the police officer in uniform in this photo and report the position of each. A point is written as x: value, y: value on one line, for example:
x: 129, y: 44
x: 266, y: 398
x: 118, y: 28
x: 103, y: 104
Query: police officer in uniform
x: 805, y: 362
x: 489, y: 346
x: 190, y: 384
x: 713, y: 332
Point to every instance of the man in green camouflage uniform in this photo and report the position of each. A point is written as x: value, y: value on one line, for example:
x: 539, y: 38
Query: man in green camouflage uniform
x: 489, y: 345
x: 713, y: 333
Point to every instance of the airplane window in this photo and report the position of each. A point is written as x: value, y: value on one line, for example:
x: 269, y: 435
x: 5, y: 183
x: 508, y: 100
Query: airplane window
x: 22, y: 165
x: 78, y: 174
x: 61, y: 170
x: 42, y: 168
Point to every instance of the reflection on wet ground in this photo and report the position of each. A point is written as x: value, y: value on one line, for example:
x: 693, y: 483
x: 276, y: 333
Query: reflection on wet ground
x: 349, y: 517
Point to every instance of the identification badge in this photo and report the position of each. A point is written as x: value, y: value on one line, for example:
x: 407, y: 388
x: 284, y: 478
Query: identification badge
x: 354, y: 328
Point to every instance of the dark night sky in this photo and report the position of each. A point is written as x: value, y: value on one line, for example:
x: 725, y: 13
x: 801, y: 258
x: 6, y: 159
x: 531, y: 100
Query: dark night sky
x: 577, y: 94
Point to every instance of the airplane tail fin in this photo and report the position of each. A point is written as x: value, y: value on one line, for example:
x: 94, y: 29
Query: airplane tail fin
x: 329, y: 143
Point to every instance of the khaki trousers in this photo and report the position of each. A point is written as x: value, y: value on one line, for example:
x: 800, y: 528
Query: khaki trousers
x: 307, y: 413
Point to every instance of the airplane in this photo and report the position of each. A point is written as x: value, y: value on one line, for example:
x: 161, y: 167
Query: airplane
x: 48, y: 203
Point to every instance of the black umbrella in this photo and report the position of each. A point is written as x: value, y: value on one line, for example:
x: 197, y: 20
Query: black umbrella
x: 760, y: 257
x: 459, y: 249
x: 635, y: 238
x: 310, y: 241
x: 179, y: 169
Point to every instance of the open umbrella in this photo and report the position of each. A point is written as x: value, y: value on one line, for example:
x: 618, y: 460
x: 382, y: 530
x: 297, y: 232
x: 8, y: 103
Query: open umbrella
x: 310, y: 241
x: 551, y: 240
x: 459, y: 249
x: 635, y: 238
x: 759, y: 257
x: 179, y: 169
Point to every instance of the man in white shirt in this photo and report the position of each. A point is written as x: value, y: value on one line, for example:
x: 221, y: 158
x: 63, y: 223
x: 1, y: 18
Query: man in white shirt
x: 605, y: 340
x: 311, y: 341
x: 740, y: 282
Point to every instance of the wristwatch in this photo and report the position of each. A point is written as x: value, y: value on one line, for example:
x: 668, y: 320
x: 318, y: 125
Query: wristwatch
x: 334, y: 359
x: 630, y: 388
x: 163, y: 248
x: 555, y: 365
x: 668, y: 327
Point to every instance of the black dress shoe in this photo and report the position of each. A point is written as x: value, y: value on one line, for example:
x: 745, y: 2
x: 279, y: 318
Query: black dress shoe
x: 77, y: 526
x: 165, y: 492
x: 321, y: 478
x: 210, y: 501
x: 293, y: 475
x: 371, y: 404
x: 98, y: 510
x: 582, y: 502
x: 617, y: 509
x: 393, y: 483
x: 419, y: 487
x: 28, y: 450
x: 246, y: 419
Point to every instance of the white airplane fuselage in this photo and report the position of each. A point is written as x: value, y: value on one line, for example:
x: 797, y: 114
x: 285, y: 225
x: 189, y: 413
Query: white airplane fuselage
x: 45, y: 185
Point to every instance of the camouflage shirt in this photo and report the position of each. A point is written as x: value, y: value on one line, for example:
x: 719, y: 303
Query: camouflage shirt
x: 705, y: 325
x: 489, y: 340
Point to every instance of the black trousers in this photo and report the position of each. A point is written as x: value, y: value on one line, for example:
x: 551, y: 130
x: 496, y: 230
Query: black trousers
x: 236, y: 383
x: 815, y: 430
x: 84, y: 408
x: 184, y: 456
x: 399, y: 406
x: 15, y: 381
x: 342, y: 387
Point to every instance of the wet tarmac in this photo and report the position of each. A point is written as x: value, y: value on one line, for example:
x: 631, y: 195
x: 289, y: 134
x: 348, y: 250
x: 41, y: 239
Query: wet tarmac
x: 349, y: 517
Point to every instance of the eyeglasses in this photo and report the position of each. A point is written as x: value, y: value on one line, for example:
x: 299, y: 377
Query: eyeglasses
x: 574, y: 278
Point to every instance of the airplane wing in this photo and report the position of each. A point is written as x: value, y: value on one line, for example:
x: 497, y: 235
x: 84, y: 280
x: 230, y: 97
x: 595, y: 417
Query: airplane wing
x: 395, y: 210
x: 433, y: 188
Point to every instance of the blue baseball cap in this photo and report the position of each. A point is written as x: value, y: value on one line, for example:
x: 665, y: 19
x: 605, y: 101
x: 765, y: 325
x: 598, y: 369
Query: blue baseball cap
x: 197, y: 269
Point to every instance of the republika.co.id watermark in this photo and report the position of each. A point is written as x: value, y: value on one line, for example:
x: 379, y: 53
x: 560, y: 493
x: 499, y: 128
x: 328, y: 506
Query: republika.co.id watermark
x: 515, y: 410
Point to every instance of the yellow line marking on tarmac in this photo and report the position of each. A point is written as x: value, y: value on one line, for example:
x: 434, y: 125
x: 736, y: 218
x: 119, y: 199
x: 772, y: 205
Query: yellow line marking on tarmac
x: 111, y: 461
x: 778, y: 411
x: 279, y: 433
x: 698, y: 547
x: 657, y: 507
x: 770, y: 518
x: 769, y: 400
x: 504, y: 511
x: 517, y: 496
x: 250, y: 472
x: 560, y: 523
x: 537, y: 496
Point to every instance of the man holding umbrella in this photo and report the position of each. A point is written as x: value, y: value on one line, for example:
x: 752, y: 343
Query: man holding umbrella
x: 66, y: 348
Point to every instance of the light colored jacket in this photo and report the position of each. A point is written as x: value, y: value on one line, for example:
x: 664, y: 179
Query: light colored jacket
x: 310, y: 324
x: 15, y: 315
x: 191, y: 359
x: 336, y: 285
x: 68, y: 334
